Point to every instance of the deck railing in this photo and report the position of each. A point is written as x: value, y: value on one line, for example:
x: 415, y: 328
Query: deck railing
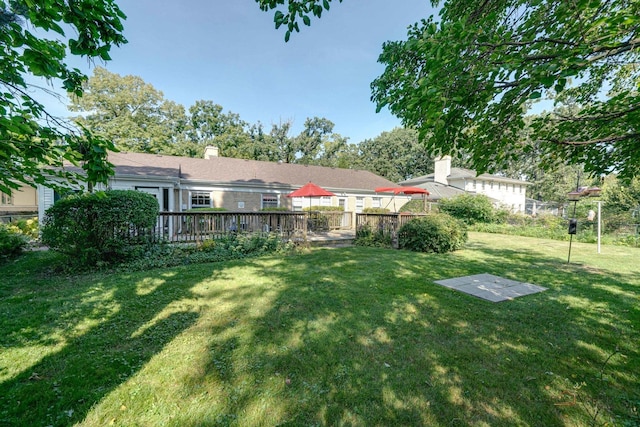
x: 329, y: 220
x: 198, y: 226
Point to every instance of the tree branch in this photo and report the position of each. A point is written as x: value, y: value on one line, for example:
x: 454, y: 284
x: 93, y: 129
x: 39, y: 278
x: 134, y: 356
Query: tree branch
x: 609, y: 116
x: 606, y: 140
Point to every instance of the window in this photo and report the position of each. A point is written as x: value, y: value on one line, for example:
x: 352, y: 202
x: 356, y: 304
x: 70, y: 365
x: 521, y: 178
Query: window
x: 483, y: 185
x: 200, y: 199
x: 6, y: 199
x: 375, y: 202
x: 475, y: 183
x: 359, y: 204
x: 269, y: 201
x: 325, y: 201
x: 491, y: 185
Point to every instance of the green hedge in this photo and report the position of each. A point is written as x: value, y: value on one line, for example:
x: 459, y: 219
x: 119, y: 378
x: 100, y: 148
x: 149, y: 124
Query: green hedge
x: 324, y: 208
x: 469, y: 208
x: 437, y: 233
x: 100, y: 227
x: 376, y: 211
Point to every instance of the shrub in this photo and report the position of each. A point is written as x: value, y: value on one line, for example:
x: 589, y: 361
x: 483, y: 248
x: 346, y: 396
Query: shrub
x: 228, y: 247
x: 324, y: 208
x: 468, y: 208
x: 28, y: 227
x: 100, y: 227
x: 437, y: 233
x: 11, y: 243
x: 365, y: 236
x: 273, y: 209
x: 376, y: 210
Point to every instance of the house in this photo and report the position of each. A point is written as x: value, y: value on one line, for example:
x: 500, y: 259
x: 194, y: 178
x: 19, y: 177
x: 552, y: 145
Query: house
x: 20, y: 202
x: 183, y: 183
x: 448, y: 182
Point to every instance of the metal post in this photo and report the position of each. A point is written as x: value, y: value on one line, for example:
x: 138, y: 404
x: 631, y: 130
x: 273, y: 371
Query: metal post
x: 599, y: 223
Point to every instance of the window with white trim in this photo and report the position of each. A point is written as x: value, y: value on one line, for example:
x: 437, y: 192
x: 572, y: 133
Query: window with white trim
x: 375, y: 202
x: 6, y: 199
x: 200, y: 199
x: 325, y: 201
x: 270, y: 201
x: 359, y: 204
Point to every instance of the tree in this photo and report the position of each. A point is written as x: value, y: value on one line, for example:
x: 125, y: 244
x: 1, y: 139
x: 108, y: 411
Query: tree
x: 396, y: 155
x: 208, y: 125
x: 130, y: 112
x: 468, y: 79
x: 31, y: 138
x: 317, y: 144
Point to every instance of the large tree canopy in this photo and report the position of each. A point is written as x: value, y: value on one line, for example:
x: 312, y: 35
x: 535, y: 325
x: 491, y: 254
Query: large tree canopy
x: 468, y: 78
x: 33, y: 43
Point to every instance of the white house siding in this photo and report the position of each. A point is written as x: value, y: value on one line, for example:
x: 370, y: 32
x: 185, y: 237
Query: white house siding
x: 510, y: 195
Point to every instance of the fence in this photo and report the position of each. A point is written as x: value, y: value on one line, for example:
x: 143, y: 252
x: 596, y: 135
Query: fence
x: 329, y: 220
x: 197, y: 226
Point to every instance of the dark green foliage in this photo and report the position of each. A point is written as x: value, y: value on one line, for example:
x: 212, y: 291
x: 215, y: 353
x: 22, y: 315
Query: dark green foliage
x: 279, y: 209
x: 366, y: 236
x: 468, y: 208
x: 12, y: 243
x: 231, y: 246
x: 100, y: 227
x: 437, y: 233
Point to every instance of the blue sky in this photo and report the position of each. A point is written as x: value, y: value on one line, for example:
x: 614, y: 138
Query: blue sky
x: 228, y: 51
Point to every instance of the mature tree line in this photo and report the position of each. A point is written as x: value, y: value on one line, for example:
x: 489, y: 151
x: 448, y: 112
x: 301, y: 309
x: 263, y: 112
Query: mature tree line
x: 464, y: 81
x: 135, y: 116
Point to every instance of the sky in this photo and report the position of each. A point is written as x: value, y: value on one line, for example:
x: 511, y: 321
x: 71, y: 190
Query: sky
x: 229, y: 52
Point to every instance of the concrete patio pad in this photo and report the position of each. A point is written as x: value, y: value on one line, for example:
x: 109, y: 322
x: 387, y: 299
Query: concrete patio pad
x: 490, y: 287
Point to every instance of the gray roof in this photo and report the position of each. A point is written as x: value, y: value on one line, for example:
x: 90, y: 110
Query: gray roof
x: 438, y: 191
x: 240, y: 171
x: 462, y: 173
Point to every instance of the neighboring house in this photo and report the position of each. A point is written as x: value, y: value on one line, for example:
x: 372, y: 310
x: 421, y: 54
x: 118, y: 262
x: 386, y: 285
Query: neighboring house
x: 448, y: 182
x: 22, y: 201
x: 183, y: 183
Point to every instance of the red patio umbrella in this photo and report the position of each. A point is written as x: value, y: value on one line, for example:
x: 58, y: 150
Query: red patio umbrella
x: 401, y: 190
x: 310, y: 190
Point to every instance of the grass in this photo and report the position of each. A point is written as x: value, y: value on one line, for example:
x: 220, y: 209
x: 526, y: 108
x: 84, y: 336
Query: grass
x: 349, y: 336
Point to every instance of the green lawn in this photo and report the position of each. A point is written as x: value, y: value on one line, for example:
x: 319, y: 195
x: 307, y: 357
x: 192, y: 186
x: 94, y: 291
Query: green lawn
x: 348, y: 336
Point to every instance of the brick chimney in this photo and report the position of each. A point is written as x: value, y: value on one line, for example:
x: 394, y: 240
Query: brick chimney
x: 442, y: 169
x: 211, y: 151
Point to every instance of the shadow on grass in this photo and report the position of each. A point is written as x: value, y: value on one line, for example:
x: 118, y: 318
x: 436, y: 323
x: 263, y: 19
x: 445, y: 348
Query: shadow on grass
x: 356, y: 342
x: 350, y: 336
x: 103, y: 330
